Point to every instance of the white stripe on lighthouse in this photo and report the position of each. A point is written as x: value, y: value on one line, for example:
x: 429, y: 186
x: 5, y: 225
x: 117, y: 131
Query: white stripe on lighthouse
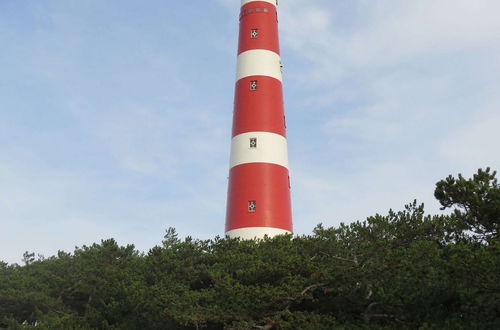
x: 244, y: 2
x: 259, y: 62
x: 256, y: 232
x: 269, y: 148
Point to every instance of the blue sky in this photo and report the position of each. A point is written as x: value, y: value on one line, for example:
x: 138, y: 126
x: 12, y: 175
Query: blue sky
x: 115, y: 115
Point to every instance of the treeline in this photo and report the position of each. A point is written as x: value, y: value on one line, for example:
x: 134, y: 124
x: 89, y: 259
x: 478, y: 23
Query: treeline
x: 404, y: 270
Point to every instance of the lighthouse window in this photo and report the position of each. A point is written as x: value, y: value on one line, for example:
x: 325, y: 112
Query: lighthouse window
x: 253, y: 85
x: 253, y: 142
x: 266, y: 10
x: 257, y: 9
x: 254, y: 33
x: 252, y: 206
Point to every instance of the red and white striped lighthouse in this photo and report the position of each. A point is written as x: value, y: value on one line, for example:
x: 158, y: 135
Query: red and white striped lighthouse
x: 258, y: 201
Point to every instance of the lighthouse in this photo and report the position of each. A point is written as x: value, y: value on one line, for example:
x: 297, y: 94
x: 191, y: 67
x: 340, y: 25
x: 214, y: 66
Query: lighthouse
x: 258, y: 202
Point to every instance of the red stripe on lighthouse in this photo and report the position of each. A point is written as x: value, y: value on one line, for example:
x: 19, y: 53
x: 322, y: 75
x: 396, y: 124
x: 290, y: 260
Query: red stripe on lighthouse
x: 259, y: 109
x: 265, y: 184
x: 258, y: 28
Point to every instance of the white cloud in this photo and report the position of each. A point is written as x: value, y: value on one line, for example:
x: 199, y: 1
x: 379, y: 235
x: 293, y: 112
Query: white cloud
x: 383, y: 34
x: 155, y: 141
x: 229, y: 3
x: 475, y: 143
x: 44, y: 209
x: 37, y: 207
x: 404, y: 91
x: 333, y: 197
x: 398, y: 31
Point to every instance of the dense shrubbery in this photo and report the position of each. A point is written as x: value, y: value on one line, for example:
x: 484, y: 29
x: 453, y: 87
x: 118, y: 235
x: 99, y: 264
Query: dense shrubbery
x: 402, y: 270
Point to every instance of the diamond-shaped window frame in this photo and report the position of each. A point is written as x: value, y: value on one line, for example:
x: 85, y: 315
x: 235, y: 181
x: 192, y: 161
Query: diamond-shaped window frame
x: 252, y: 206
x: 253, y: 142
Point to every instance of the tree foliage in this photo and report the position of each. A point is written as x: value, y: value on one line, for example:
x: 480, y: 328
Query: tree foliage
x: 403, y: 270
x: 476, y: 201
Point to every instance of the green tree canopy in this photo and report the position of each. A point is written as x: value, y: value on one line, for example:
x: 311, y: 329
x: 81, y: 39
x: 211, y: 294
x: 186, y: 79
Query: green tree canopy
x: 476, y: 201
x: 403, y: 270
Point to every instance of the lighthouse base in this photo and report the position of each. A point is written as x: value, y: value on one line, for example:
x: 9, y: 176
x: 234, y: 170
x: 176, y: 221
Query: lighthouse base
x: 256, y: 232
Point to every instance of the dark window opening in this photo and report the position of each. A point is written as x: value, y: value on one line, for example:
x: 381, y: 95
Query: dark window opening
x: 252, y: 206
x: 253, y: 142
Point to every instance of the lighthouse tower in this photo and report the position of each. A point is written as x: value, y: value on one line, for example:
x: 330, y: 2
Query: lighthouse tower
x: 258, y: 201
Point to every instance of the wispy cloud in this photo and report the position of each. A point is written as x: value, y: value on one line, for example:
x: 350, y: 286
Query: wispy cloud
x: 404, y: 90
x: 109, y: 127
x: 474, y: 143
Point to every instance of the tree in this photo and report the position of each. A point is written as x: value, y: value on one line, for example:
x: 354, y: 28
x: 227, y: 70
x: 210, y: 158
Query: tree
x: 401, y: 270
x: 476, y: 202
